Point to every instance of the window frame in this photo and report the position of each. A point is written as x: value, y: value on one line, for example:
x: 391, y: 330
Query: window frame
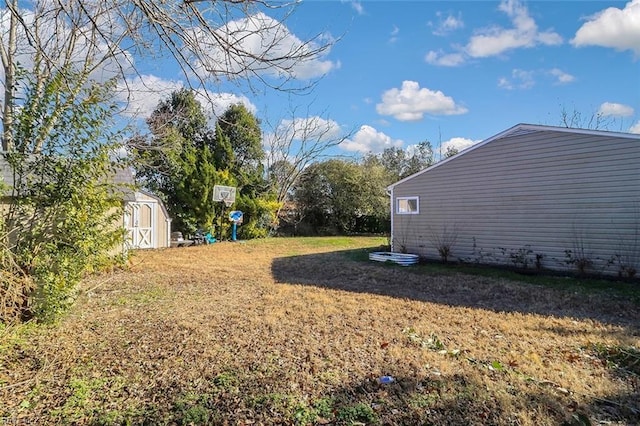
x: 407, y: 199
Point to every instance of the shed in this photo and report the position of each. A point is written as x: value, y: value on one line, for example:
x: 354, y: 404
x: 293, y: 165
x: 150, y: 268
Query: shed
x: 530, y: 196
x: 145, y: 219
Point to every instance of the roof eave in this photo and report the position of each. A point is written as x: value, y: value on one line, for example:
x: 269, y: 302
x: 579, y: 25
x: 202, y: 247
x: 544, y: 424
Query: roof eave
x: 518, y: 128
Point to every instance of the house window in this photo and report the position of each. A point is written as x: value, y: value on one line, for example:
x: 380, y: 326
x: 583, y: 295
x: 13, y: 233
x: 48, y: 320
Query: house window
x: 407, y: 205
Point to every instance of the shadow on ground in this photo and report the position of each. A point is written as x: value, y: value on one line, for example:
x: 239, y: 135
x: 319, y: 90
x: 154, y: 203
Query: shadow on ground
x: 417, y: 402
x: 349, y: 270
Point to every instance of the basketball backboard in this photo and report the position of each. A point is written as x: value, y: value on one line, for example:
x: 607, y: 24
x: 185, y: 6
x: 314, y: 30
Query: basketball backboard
x: 226, y: 194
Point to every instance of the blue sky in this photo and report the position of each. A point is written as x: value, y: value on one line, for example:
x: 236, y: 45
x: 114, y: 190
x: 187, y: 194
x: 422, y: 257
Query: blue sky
x: 452, y: 73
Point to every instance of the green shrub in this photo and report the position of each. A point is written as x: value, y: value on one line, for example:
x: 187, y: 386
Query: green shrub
x: 356, y: 414
x: 62, y: 221
x: 193, y: 409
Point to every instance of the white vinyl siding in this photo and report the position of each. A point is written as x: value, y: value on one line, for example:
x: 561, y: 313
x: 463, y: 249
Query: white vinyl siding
x: 547, y: 191
x: 408, y: 205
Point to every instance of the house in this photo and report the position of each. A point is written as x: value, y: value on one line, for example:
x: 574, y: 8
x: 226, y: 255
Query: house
x: 531, y: 196
x: 145, y: 218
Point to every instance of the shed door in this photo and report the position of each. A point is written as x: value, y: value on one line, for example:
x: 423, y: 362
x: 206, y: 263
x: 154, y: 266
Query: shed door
x: 139, y: 219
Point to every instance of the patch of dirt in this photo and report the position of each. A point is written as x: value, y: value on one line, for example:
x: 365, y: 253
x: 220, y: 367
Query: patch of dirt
x: 296, y: 331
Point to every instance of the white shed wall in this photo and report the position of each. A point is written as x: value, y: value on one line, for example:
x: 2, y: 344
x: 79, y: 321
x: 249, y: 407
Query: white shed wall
x: 543, y: 191
x: 162, y: 222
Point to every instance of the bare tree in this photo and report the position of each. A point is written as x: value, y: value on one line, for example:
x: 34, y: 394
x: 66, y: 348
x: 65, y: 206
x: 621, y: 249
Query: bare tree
x: 296, y: 142
x: 100, y: 40
x: 595, y: 121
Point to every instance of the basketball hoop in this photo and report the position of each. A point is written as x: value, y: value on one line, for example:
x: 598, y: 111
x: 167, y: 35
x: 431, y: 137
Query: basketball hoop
x: 225, y: 194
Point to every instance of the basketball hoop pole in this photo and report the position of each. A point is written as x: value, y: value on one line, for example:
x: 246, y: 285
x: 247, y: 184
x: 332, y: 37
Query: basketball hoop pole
x: 236, y: 217
x: 226, y: 195
x: 222, y: 209
x: 225, y: 205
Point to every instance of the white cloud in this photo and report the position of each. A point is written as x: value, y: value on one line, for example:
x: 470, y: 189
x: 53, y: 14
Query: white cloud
x: 394, y: 34
x: 411, y: 102
x: 457, y: 143
x: 215, y: 104
x: 524, y: 34
x: 615, y: 28
x: 562, y: 77
x: 447, y: 24
x: 357, y: 6
x: 635, y: 128
x: 314, y: 128
x: 141, y: 96
x: 496, y: 40
x: 520, y: 79
x: 61, y: 42
x: 301, y: 133
x: 614, y: 109
x: 505, y: 83
x: 445, y: 59
x: 368, y: 139
x: 261, y: 36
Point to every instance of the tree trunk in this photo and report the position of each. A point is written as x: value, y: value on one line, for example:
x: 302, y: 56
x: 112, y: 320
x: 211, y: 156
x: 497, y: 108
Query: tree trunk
x: 8, y: 60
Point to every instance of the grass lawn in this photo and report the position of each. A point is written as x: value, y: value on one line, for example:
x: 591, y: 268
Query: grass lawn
x: 300, y: 332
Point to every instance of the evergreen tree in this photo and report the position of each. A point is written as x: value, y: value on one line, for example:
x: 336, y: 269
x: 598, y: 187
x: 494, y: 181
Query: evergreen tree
x: 242, y: 130
x: 239, y: 147
x: 183, y: 159
x: 180, y: 161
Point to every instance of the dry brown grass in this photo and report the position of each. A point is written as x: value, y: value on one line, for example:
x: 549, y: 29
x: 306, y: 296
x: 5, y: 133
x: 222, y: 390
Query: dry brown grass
x: 297, y: 331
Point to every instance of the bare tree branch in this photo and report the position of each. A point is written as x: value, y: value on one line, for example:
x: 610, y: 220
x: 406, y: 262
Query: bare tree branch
x: 296, y: 142
x: 211, y: 41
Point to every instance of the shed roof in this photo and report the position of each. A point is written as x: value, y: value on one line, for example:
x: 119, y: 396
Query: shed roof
x: 123, y: 177
x: 155, y: 197
x: 521, y: 129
